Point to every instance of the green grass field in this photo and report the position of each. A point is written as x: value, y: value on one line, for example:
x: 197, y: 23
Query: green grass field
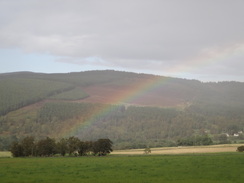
x: 198, y: 168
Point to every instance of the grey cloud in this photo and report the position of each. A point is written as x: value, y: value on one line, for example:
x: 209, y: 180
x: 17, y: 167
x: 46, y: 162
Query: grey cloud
x: 159, y: 35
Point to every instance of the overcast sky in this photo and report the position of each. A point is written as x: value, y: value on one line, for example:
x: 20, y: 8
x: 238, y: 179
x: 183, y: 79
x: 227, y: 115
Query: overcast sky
x: 195, y: 39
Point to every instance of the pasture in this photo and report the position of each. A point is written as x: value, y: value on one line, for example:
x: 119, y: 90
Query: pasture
x: 184, y: 168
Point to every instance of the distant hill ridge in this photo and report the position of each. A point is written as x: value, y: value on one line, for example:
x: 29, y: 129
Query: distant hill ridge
x: 100, y: 86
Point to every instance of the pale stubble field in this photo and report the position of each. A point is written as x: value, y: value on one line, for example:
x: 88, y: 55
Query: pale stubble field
x: 182, y: 150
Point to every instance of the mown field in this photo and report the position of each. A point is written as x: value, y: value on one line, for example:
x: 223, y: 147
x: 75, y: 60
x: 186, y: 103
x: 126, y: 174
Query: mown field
x: 200, y: 168
x: 182, y: 150
x: 5, y: 154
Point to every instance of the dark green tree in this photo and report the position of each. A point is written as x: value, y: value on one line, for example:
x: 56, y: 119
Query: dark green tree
x: 185, y: 142
x: 206, y: 140
x: 62, y: 147
x: 102, y: 147
x: 223, y: 139
x: 46, y: 147
x: 147, y: 150
x: 73, y: 145
x: 16, y: 149
x: 28, y: 145
x: 240, y: 149
x: 85, y: 148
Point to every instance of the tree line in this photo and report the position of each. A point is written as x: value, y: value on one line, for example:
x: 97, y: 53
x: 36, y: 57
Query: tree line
x: 71, y: 146
x: 128, y: 126
x: 195, y: 140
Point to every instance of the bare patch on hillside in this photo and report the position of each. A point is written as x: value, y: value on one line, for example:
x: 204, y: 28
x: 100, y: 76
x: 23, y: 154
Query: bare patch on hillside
x: 125, y: 94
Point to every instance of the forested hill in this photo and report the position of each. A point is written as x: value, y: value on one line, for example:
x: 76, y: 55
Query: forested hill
x: 46, y: 104
x: 23, y: 88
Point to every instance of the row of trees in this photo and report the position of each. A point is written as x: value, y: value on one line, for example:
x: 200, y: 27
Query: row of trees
x: 128, y: 126
x: 195, y: 140
x: 72, y: 146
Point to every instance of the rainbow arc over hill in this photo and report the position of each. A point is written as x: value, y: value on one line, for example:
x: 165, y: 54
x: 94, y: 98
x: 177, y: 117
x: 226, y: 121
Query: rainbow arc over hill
x: 211, y: 57
x: 119, y: 99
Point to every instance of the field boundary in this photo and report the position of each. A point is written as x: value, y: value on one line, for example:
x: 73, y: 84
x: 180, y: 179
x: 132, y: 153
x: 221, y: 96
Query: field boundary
x: 167, y: 150
x: 182, y: 150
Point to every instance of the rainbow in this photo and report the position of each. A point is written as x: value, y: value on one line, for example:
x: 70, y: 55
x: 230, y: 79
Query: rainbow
x: 121, y: 98
x: 206, y: 58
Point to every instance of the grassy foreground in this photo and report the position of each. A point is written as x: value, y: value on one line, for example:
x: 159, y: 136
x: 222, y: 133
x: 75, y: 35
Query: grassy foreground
x: 200, y: 168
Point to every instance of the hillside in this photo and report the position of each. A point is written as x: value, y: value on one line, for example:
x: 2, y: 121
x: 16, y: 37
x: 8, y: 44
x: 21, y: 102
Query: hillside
x: 133, y: 110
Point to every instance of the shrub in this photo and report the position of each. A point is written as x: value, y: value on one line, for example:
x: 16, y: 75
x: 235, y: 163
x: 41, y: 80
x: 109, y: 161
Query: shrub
x: 240, y: 149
